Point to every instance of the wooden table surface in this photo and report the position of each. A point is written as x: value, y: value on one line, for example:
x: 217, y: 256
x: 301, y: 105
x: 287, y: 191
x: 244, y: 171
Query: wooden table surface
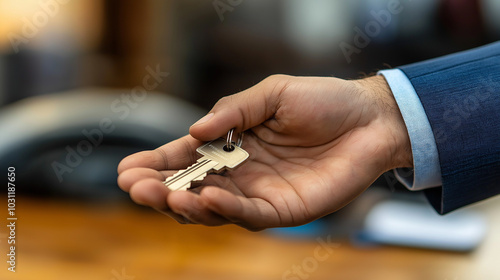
x: 120, y: 241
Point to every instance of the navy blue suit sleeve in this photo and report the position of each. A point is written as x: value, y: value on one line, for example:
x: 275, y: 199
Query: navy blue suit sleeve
x: 460, y: 94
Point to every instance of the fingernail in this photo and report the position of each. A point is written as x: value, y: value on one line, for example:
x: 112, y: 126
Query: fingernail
x: 204, y: 119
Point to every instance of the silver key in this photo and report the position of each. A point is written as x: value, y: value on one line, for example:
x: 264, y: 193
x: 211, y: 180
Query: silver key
x: 215, y: 158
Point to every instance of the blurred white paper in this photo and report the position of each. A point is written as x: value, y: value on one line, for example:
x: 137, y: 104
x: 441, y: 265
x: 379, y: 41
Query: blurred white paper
x: 418, y: 225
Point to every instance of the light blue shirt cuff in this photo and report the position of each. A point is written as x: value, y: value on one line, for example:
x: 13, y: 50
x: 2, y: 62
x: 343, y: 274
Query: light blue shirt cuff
x: 426, y: 167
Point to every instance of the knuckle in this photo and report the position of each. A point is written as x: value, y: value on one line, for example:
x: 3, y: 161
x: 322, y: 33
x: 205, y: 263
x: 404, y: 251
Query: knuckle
x: 278, y: 83
x: 277, y: 78
x: 224, y: 101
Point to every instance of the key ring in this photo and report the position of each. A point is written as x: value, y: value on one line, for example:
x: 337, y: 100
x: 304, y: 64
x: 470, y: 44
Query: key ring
x: 229, y: 144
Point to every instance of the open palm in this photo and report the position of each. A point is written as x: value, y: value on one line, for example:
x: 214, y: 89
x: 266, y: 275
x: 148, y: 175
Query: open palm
x: 314, y: 145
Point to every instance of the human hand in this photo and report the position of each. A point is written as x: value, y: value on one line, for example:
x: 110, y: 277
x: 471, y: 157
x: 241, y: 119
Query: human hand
x: 315, y: 143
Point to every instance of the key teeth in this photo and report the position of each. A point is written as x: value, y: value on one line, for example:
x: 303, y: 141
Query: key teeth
x: 185, y: 187
x: 198, y: 181
x: 176, y: 174
x: 195, y: 183
x: 182, y: 188
x: 166, y: 182
x: 200, y: 178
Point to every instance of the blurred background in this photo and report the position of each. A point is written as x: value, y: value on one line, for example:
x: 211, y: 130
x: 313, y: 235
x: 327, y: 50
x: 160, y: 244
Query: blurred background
x: 85, y: 83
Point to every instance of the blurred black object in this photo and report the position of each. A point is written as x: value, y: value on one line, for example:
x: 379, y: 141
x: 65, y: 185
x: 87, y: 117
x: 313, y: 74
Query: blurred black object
x: 70, y: 143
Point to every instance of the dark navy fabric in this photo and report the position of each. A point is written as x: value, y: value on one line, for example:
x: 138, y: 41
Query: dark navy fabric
x: 460, y: 94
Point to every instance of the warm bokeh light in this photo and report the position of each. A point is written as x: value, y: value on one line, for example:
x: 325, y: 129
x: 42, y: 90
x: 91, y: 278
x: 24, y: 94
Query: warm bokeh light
x: 48, y: 24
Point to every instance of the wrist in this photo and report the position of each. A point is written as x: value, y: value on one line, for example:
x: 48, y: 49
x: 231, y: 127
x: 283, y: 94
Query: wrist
x: 399, y: 151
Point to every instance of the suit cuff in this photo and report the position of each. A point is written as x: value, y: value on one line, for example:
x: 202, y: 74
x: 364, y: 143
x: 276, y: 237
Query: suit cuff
x: 426, y: 167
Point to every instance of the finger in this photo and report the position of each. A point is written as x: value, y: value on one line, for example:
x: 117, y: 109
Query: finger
x: 151, y: 192
x: 182, y: 206
x: 130, y: 176
x: 253, y: 214
x: 174, y: 155
x: 243, y: 110
x: 190, y: 206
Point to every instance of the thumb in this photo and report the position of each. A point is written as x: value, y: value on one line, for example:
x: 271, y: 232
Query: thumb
x: 242, y: 110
